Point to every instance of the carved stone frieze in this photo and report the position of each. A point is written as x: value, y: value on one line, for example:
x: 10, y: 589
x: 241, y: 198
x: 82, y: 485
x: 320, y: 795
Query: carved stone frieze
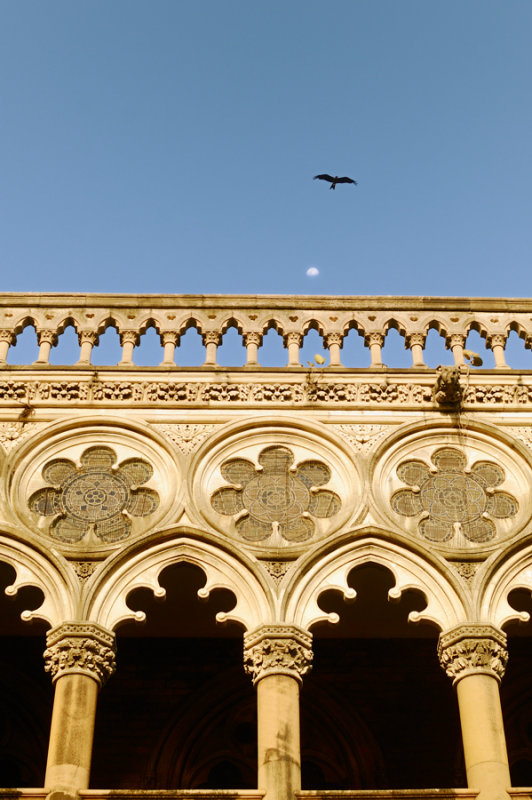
x: 277, y: 650
x: 473, y: 649
x: 187, y: 437
x: 80, y: 647
x: 186, y: 393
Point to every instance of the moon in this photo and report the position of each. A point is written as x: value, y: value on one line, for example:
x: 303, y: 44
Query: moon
x: 313, y: 272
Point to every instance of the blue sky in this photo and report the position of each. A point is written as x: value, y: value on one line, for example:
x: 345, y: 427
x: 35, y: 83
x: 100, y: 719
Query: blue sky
x: 169, y: 146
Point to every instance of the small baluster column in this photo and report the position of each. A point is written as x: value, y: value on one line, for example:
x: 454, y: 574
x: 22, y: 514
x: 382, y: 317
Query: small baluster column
x: 169, y: 340
x: 252, y: 341
x: 80, y: 657
x: 475, y: 657
x: 7, y: 338
x: 277, y: 657
x: 129, y: 340
x: 211, y: 340
x: 456, y: 343
x: 497, y: 343
x: 375, y: 342
x: 46, y: 340
x: 87, y: 340
x: 415, y: 342
x: 292, y: 341
x: 334, y: 343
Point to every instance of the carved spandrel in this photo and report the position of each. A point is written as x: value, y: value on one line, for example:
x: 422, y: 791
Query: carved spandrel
x: 278, y: 650
x: 80, y: 648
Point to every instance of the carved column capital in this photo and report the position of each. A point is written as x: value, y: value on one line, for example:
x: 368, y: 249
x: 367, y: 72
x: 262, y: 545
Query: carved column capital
x: 7, y: 336
x: 293, y: 338
x: 277, y: 650
x: 413, y: 339
x: 333, y: 338
x: 88, y: 336
x: 496, y: 340
x: 375, y: 337
x: 130, y: 337
x: 45, y: 335
x: 80, y: 648
x: 169, y: 337
x: 455, y: 340
x: 212, y: 337
x: 473, y: 649
x: 253, y: 337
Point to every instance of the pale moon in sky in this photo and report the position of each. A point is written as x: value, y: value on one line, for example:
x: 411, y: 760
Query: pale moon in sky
x: 312, y: 272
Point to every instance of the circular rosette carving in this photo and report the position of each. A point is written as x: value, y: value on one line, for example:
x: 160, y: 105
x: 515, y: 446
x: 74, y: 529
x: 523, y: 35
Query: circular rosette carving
x: 97, y: 497
x: 451, y: 499
x: 276, y: 497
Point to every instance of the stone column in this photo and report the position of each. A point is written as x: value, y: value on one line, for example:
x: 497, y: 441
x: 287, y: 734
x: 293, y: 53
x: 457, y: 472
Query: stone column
x: 497, y: 343
x: 333, y: 341
x: 456, y: 343
x: 87, y: 340
x: 277, y: 657
x: 80, y: 658
x: 416, y: 343
x: 7, y: 338
x: 128, y: 340
x: 211, y: 340
x: 169, y: 340
x: 475, y: 657
x: 253, y: 341
x: 46, y: 339
x: 375, y: 342
x: 293, y: 342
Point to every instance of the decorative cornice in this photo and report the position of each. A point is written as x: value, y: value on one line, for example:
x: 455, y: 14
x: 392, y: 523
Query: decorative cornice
x: 472, y: 650
x: 350, y: 392
x: 80, y: 648
x: 277, y: 650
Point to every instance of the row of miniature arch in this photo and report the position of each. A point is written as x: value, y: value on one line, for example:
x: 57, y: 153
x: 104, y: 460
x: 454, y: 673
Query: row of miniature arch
x: 103, y: 598
x: 253, y: 329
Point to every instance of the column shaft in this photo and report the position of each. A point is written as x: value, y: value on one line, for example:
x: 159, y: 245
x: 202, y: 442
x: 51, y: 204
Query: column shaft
x: 279, y: 760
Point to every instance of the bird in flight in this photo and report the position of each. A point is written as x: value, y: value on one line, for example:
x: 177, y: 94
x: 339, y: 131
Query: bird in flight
x: 335, y: 180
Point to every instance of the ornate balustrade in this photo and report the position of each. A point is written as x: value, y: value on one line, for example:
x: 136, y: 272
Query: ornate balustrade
x: 253, y: 316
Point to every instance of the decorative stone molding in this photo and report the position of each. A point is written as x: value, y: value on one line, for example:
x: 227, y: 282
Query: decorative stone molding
x: 80, y: 648
x: 471, y: 650
x: 278, y: 650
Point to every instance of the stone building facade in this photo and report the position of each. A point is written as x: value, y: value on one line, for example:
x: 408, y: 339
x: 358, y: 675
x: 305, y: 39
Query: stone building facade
x: 290, y: 581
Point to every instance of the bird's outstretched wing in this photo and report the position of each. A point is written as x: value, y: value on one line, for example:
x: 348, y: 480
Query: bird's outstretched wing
x: 324, y: 178
x: 346, y: 180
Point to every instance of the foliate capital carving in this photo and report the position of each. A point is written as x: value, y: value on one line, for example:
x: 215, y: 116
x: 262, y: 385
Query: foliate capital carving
x: 496, y: 340
x: 80, y: 648
x: 374, y: 338
x: 7, y: 336
x: 44, y: 335
x: 212, y: 337
x: 169, y: 337
x: 472, y: 650
x: 277, y: 650
x: 130, y: 337
x: 413, y: 339
x: 333, y: 338
x: 88, y: 336
x: 253, y: 337
x: 293, y: 338
x: 455, y: 340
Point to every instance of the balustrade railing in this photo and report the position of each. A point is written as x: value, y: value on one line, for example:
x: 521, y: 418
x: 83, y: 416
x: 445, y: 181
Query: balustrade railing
x: 253, y: 316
